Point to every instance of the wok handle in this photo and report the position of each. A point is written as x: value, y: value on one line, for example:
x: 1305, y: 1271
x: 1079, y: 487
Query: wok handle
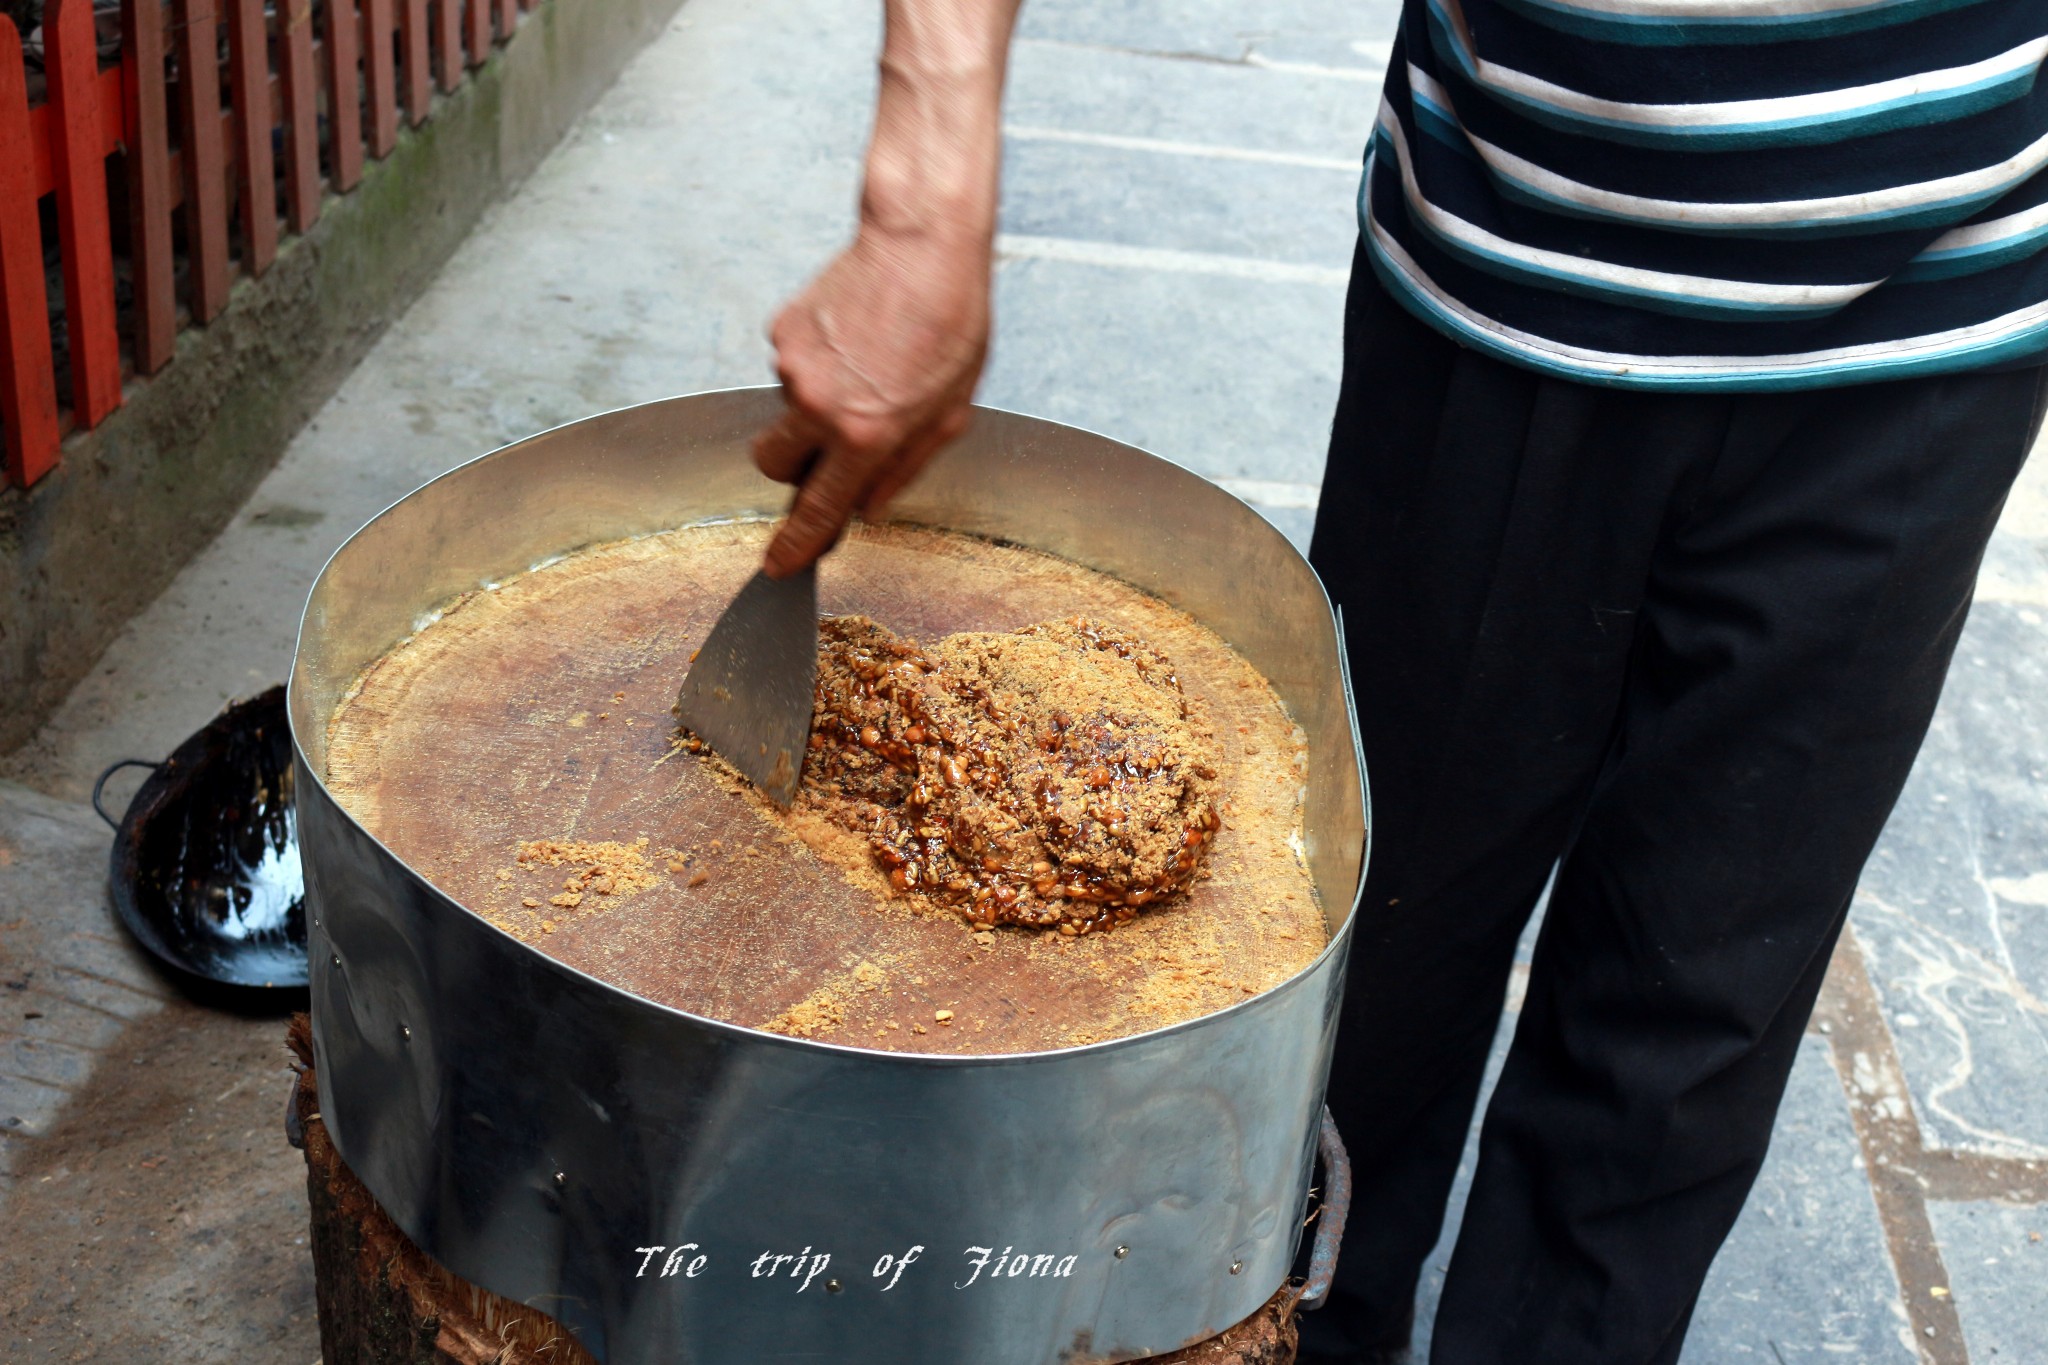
x: 1322, y: 1260
x: 100, y: 785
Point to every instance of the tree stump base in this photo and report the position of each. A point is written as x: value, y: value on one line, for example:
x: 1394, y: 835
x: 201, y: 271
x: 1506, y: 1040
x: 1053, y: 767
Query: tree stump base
x: 383, y: 1301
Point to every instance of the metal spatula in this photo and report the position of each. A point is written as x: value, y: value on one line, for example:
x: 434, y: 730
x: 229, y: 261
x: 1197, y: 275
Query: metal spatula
x: 748, y: 692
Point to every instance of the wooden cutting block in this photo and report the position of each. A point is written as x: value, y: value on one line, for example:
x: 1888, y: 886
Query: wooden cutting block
x: 533, y: 716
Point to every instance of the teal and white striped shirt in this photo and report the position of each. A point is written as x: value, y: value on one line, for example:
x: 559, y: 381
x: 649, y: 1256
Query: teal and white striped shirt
x: 1746, y: 194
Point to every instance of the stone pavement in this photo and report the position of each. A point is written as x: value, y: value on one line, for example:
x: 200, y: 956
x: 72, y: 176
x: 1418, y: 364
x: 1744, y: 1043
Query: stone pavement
x: 1176, y: 230
x: 148, y: 1207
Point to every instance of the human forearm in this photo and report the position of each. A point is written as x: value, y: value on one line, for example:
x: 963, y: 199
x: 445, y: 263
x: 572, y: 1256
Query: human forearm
x: 933, y: 163
x: 879, y: 356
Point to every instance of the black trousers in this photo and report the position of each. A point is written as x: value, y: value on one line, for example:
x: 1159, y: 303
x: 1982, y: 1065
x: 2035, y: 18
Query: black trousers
x: 1688, y: 644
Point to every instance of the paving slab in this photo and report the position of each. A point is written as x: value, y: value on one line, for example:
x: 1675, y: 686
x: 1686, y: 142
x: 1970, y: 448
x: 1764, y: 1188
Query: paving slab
x: 1997, y: 1256
x: 163, y: 1216
x: 1804, y: 1276
x: 1246, y: 391
x: 1268, y: 210
x: 1334, y: 33
x: 1074, y: 87
x: 70, y: 978
x: 1952, y: 912
x: 149, y: 1207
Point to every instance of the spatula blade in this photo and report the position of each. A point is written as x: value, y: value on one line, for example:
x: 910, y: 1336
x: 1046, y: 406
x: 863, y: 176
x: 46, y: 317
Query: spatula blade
x: 748, y: 692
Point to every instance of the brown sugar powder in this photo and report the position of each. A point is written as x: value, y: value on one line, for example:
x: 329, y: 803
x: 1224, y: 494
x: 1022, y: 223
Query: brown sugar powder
x: 825, y: 1010
x: 816, y: 1015
x: 604, y: 867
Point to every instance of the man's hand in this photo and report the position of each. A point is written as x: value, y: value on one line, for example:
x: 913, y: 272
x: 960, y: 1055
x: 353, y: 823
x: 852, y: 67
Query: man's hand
x: 879, y: 356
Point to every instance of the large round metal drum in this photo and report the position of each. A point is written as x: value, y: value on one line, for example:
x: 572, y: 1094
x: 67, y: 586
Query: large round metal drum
x: 676, y: 1188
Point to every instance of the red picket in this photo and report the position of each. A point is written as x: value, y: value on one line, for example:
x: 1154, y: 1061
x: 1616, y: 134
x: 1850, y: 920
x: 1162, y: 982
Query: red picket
x: 344, y: 95
x: 255, y: 173
x: 419, y: 75
x: 150, y: 189
x: 379, y: 77
x: 448, y: 31
x: 479, y: 31
x: 301, y: 97
x: 61, y: 148
x: 28, y: 387
x: 200, y: 152
x: 108, y: 95
x: 84, y: 239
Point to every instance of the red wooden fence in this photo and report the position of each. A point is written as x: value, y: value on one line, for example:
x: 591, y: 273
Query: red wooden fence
x: 213, y: 145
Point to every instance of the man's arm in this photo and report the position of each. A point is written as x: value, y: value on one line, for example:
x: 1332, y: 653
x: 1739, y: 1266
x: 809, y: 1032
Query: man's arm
x: 880, y: 354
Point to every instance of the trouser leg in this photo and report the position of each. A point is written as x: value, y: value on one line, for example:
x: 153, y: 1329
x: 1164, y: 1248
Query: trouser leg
x: 1488, y: 568
x: 1494, y: 540
x: 1807, y: 590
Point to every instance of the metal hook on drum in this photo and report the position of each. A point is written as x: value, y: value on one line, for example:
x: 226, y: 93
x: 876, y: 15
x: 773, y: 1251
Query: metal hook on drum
x: 1322, y: 1261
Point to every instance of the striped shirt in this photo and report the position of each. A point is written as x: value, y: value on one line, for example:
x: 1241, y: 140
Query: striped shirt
x: 1743, y: 194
